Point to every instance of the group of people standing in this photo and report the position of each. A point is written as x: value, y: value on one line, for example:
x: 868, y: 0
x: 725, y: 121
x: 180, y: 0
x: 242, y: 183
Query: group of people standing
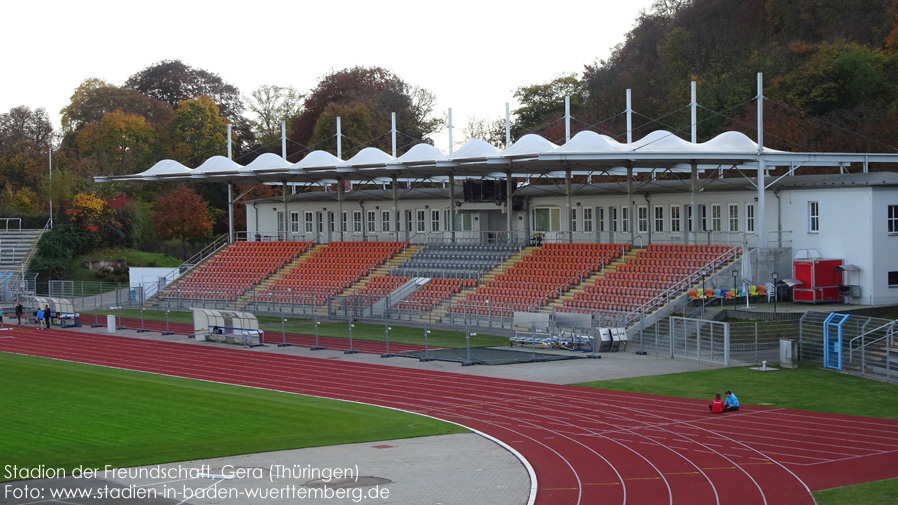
x: 718, y: 406
x: 42, y: 316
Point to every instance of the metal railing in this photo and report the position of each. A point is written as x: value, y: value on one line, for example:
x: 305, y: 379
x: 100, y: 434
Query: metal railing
x: 7, y: 220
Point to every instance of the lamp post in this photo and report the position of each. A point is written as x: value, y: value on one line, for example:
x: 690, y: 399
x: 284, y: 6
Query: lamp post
x: 351, y: 349
x: 775, y: 294
x: 317, y: 346
x: 704, y: 274
x: 735, y: 287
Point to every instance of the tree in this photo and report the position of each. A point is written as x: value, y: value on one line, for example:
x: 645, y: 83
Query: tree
x: 106, y: 219
x: 173, y: 82
x: 382, y: 93
x: 355, y: 125
x: 120, y: 143
x: 22, y: 129
x: 273, y: 105
x: 490, y: 130
x: 181, y: 214
x: 26, y: 136
x: 197, y: 131
x: 544, y: 103
x: 95, y: 98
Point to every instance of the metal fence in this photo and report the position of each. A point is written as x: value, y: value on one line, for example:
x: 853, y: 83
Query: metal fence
x: 867, y: 344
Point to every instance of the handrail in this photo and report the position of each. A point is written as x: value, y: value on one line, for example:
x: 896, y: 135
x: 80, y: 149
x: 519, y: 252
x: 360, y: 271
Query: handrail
x: 890, y: 324
x: 33, y: 250
x: 197, y: 258
x: 633, y: 315
x: 8, y: 219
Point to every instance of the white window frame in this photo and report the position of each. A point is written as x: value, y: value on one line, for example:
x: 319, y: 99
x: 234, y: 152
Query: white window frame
x: 716, y: 217
x: 385, y: 220
x: 587, y: 219
x: 625, y: 218
x: 600, y: 218
x: 642, y: 219
x: 675, y: 218
x: 574, y: 219
x: 892, y: 219
x: 357, y: 224
x: 612, y: 218
x: 434, y: 220
x: 552, y: 217
x: 294, y: 221
x: 372, y: 220
x: 421, y: 220
x: 658, y: 218
x: 733, y: 217
x: 749, y: 217
x: 280, y: 219
x: 814, y: 217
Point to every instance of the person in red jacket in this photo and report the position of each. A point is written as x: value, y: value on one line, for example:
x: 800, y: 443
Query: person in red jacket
x: 716, y: 406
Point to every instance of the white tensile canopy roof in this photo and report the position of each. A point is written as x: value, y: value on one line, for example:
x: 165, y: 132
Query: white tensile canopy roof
x: 587, y: 153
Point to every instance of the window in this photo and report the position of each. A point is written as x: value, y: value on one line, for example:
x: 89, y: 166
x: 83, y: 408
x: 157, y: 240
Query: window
x: 321, y: 222
x: 750, y: 217
x: 734, y: 216
x: 422, y: 223
x: 281, y: 222
x: 624, y: 218
x: 345, y: 223
x: 893, y: 219
x: 330, y: 217
x: 372, y: 224
x: 434, y: 220
x: 703, y: 217
x: 600, y: 218
x: 385, y: 220
x: 642, y: 219
x: 546, y: 219
x: 612, y: 216
x: 659, y: 218
x: 813, y: 217
x: 573, y: 219
x: 464, y: 221
x: 689, y: 218
x: 587, y: 219
x: 357, y: 221
x: 675, y: 218
x: 294, y: 222
x: 715, y: 217
x: 893, y: 279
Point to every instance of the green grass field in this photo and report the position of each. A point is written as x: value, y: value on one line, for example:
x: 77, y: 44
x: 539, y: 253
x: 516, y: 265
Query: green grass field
x: 63, y: 414
x: 361, y: 331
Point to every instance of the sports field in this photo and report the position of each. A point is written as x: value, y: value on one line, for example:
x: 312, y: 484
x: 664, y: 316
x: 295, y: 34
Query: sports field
x: 559, y: 429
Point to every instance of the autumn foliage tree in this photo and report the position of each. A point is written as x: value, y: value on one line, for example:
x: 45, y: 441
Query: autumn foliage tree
x: 181, y: 214
x: 106, y: 219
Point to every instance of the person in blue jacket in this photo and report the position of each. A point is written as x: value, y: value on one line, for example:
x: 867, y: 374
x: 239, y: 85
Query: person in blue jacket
x: 731, y: 404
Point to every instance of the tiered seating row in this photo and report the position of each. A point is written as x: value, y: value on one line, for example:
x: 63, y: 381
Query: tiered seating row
x: 646, y: 276
x: 538, y: 278
x: 235, y: 270
x: 330, y: 270
x: 377, y: 288
x: 435, y: 293
x: 455, y: 260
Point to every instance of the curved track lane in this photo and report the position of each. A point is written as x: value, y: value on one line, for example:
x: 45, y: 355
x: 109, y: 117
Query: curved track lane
x: 586, y: 446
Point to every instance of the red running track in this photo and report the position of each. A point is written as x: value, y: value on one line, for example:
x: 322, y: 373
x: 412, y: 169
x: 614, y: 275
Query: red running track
x: 586, y: 446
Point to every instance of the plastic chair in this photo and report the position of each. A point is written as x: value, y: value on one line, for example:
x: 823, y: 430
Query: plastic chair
x: 771, y: 291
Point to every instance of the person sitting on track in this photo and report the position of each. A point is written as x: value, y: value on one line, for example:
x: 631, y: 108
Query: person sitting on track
x: 732, y: 403
x: 716, y: 406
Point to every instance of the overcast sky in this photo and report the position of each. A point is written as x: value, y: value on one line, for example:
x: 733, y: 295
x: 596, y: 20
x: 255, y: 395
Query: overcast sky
x: 471, y: 54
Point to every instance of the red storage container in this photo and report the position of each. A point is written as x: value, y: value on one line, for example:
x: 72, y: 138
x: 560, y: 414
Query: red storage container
x: 819, y: 282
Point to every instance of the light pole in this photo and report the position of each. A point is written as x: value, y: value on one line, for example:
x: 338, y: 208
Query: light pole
x: 735, y: 277
x: 351, y: 350
x: 387, y: 340
x: 317, y: 346
x: 283, y: 333
x: 775, y: 294
x: 702, y: 298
